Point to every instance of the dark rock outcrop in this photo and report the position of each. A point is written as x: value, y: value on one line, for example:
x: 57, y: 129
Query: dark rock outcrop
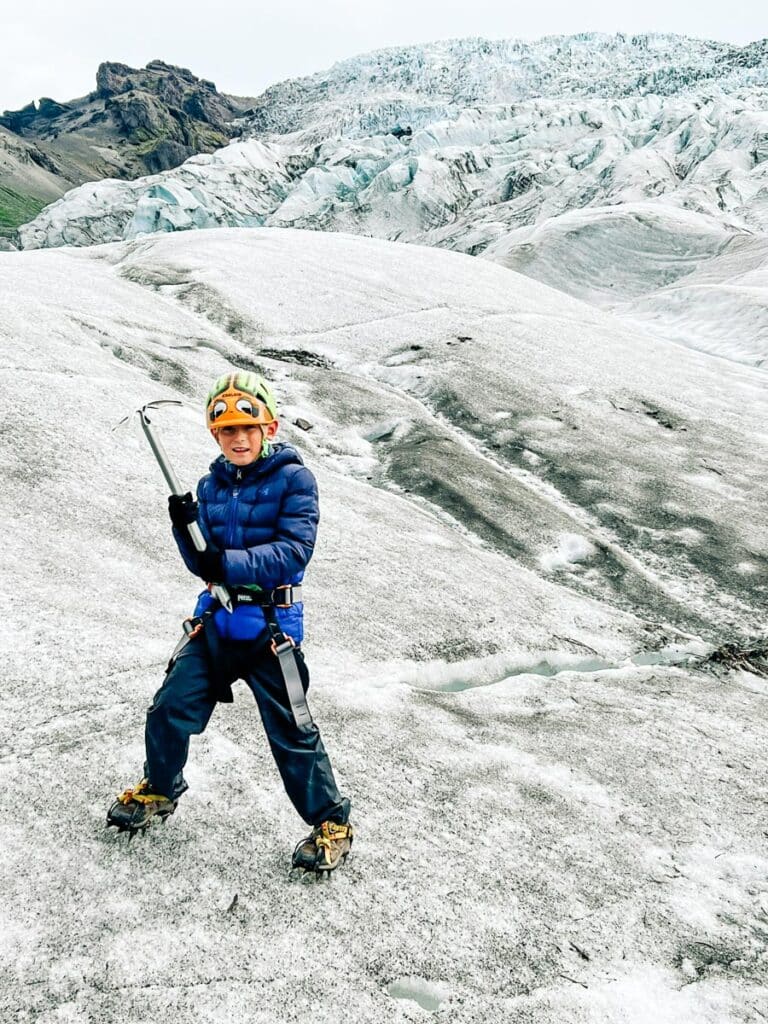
x: 24, y: 121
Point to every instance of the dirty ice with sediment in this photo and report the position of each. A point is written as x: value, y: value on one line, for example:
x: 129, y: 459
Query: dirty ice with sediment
x: 536, y: 523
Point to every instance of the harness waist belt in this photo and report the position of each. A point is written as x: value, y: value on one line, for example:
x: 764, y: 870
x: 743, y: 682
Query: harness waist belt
x: 280, y: 597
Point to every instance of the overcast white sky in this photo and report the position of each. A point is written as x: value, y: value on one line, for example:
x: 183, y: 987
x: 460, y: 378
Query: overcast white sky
x: 53, y: 49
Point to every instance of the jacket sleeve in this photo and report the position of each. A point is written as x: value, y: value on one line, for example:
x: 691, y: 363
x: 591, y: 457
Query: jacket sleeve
x: 184, y: 543
x: 277, y: 562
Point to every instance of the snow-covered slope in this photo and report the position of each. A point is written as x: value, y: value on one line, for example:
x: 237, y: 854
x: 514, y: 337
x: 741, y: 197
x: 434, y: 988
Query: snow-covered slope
x: 606, y: 254
x: 720, y: 308
x: 513, y: 484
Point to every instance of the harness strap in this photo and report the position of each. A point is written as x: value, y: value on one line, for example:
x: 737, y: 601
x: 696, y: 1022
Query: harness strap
x: 193, y: 627
x: 283, y: 647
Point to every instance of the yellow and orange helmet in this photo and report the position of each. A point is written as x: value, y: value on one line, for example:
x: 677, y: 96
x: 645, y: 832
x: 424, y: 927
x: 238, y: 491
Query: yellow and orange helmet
x: 240, y: 398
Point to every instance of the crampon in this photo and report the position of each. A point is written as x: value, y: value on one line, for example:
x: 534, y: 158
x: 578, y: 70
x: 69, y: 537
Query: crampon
x: 326, y: 846
x: 135, y: 808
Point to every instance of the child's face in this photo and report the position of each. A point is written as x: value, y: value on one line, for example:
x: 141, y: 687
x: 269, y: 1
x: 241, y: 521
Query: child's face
x: 242, y: 445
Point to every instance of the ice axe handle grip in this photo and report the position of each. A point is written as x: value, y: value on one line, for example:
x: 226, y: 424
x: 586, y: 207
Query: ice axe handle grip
x: 197, y: 537
x: 219, y: 592
x: 170, y: 476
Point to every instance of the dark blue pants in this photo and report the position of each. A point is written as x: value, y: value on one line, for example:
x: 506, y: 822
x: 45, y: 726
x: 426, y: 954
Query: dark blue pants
x: 184, y: 704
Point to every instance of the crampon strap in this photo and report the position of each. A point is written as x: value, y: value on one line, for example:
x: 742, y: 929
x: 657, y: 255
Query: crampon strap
x: 140, y: 795
x: 328, y: 833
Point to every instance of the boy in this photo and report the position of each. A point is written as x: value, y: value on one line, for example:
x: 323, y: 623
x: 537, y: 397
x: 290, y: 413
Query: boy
x: 258, y: 512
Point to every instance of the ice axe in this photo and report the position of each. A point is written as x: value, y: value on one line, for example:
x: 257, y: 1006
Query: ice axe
x: 218, y: 590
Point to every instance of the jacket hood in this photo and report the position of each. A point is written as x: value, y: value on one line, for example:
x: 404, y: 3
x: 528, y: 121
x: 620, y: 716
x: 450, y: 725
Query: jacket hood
x: 282, y: 454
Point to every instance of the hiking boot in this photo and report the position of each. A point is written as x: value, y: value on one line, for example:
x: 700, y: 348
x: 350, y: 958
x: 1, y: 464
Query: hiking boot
x: 324, y: 848
x: 135, y: 808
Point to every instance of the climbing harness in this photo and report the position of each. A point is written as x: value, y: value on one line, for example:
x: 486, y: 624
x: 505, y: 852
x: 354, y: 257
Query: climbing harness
x: 282, y: 645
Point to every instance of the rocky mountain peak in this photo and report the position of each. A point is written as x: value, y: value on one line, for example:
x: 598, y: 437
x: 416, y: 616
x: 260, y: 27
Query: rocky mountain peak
x: 165, y: 80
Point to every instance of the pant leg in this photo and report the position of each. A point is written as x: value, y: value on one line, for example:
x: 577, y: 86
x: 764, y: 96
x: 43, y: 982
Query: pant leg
x: 300, y: 755
x: 181, y: 708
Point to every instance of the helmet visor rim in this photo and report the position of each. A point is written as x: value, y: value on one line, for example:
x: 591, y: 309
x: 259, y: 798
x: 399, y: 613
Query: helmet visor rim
x: 237, y: 408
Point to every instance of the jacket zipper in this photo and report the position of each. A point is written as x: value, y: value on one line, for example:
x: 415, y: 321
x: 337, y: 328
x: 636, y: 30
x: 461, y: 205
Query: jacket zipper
x: 233, y: 514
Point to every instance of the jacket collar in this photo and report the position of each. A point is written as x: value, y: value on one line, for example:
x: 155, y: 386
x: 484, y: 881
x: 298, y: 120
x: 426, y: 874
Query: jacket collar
x: 281, y: 454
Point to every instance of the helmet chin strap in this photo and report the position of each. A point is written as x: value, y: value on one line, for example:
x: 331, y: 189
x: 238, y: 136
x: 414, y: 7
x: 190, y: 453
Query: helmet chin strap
x: 266, y: 443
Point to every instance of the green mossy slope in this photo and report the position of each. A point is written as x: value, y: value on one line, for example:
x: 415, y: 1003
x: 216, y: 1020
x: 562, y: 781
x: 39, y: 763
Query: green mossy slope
x: 16, y: 209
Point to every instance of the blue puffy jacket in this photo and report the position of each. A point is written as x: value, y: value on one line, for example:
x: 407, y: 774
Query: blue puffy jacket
x: 264, y: 518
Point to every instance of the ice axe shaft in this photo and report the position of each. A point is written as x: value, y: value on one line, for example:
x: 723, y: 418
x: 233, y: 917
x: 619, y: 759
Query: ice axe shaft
x: 160, y: 454
x: 218, y: 591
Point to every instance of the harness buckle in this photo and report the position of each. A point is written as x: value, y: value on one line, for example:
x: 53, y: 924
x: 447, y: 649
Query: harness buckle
x: 192, y: 626
x: 288, y: 596
x: 280, y: 646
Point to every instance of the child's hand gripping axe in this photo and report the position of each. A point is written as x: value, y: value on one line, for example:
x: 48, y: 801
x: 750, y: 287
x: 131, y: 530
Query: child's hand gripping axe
x: 218, y: 590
